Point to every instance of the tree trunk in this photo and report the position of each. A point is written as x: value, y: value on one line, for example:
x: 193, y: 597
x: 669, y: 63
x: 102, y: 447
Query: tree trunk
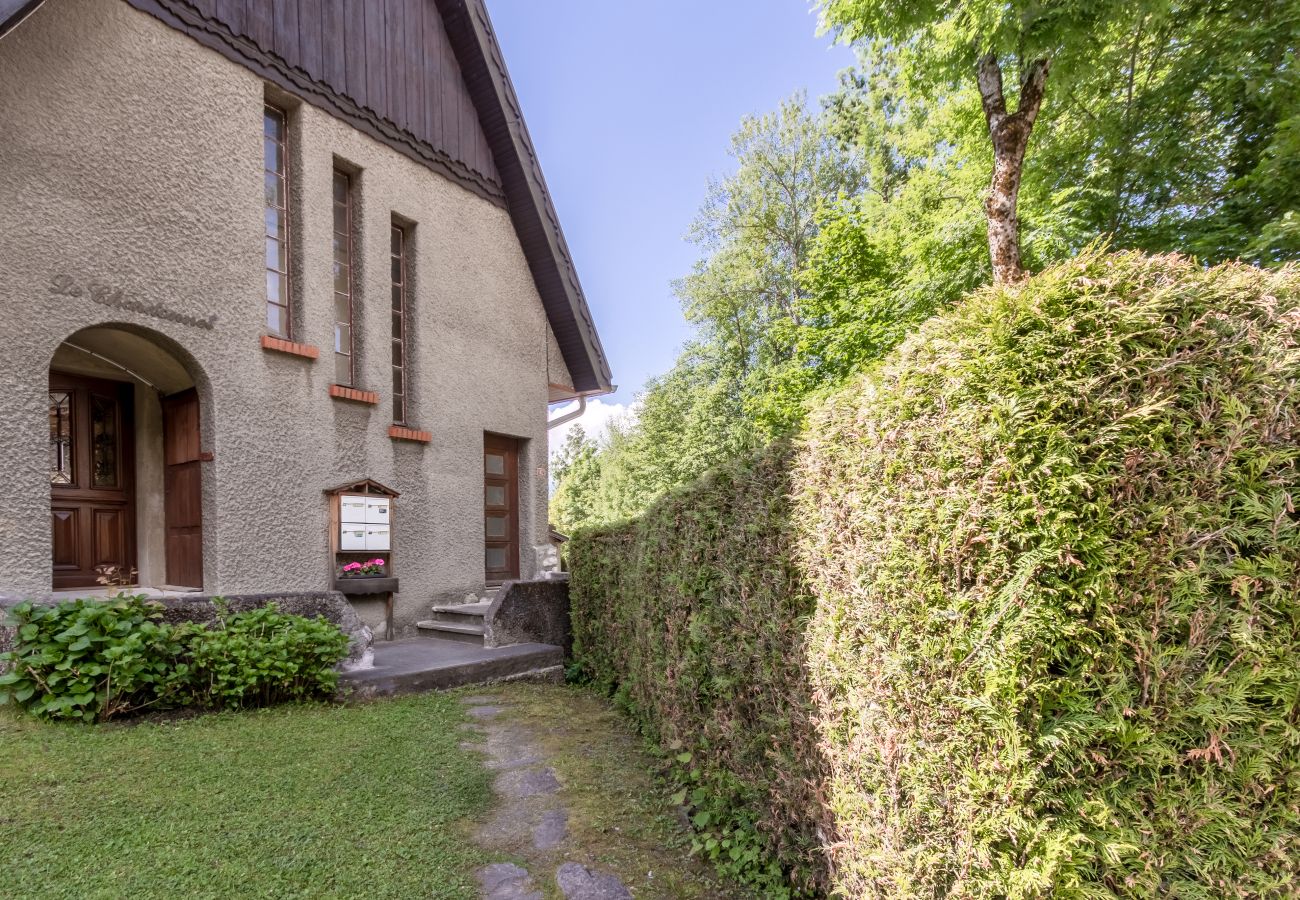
x: 1010, y: 135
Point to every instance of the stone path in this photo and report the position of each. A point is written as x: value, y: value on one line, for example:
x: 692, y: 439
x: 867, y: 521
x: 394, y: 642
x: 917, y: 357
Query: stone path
x: 530, y: 821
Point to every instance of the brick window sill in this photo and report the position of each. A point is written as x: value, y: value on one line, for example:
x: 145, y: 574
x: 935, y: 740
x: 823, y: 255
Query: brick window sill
x: 292, y: 348
x: 342, y: 392
x: 402, y: 433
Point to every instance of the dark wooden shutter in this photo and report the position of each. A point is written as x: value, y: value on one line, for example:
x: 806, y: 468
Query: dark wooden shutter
x: 183, y: 504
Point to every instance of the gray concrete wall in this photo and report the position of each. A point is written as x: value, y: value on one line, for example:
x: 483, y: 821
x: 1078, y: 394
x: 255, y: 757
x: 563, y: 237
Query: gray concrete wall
x: 131, y: 158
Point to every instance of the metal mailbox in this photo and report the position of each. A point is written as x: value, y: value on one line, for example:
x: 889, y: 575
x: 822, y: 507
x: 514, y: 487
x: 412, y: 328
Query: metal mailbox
x: 378, y: 537
x: 377, y: 510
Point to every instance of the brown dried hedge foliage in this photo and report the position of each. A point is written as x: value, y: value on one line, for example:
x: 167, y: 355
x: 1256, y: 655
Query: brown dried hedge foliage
x: 1051, y: 557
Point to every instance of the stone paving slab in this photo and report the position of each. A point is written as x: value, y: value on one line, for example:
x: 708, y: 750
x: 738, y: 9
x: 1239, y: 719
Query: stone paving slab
x: 580, y: 883
x: 506, y: 881
x: 530, y: 815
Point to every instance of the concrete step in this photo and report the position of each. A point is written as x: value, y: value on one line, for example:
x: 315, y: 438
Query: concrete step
x: 461, y: 613
x: 464, y: 632
x: 430, y: 664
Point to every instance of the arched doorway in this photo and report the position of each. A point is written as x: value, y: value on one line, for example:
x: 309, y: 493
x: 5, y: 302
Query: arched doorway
x: 126, y: 493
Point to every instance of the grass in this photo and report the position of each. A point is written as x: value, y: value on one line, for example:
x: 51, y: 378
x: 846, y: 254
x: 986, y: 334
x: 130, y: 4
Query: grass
x: 319, y: 801
x: 620, y: 818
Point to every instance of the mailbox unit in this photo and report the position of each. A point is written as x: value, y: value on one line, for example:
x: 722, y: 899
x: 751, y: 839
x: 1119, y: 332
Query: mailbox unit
x: 361, y: 529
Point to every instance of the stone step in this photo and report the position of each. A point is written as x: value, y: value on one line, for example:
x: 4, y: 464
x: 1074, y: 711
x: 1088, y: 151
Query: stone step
x: 461, y: 613
x: 428, y: 664
x: 453, y: 631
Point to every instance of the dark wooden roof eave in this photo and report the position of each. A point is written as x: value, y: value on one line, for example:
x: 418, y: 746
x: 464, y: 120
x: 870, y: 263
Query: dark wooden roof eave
x: 527, y: 196
x: 12, y: 13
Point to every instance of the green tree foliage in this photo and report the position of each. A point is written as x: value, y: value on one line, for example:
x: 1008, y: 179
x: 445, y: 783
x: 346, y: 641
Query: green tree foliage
x: 575, y: 471
x: 1168, y: 125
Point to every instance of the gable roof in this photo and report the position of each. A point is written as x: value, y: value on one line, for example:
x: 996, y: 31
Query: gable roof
x: 12, y: 13
x: 427, y: 78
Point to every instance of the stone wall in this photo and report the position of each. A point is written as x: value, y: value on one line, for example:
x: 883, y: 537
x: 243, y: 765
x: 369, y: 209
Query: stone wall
x: 530, y: 612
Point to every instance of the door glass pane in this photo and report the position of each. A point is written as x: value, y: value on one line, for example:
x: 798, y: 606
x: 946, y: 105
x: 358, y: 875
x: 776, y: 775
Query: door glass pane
x: 61, y: 437
x: 496, y: 527
x: 494, y: 463
x: 496, y: 559
x: 104, y: 441
x: 496, y: 495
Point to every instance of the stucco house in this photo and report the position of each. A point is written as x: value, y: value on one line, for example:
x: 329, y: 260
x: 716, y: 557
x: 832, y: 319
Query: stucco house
x: 283, y: 289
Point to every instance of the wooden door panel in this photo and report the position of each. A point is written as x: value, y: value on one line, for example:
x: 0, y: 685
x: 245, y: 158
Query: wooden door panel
x: 107, y: 536
x: 65, y: 525
x: 500, y: 508
x: 182, y: 438
x: 184, y: 487
x: 92, y: 491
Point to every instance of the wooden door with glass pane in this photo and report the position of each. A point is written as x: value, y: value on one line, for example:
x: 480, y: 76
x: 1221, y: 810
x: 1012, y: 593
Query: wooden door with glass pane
x: 500, y: 508
x: 92, y: 496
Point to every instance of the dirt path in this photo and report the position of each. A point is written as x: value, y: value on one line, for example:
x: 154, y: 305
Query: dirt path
x: 578, y: 815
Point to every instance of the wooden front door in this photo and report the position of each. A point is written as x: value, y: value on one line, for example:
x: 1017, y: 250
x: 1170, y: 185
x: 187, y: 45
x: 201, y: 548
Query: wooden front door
x: 500, y: 508
x: 183, y: 490
x: 92, y: 469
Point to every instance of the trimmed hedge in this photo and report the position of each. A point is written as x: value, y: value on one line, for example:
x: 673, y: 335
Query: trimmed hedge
x: 695, y: 613
x: 1052, y: 559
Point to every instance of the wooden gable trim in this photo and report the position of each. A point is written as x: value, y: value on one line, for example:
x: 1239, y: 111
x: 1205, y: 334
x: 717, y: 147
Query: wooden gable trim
x: 364, y: 486
x: 535, y: 218
x: 215, y: 35
x: 13, y: 12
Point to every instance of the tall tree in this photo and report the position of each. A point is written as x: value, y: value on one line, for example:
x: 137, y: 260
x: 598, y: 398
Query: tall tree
x: 944, y: 44
x: 755, y: 228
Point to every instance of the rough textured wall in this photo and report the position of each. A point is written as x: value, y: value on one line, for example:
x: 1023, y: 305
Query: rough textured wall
x: 133, y: 160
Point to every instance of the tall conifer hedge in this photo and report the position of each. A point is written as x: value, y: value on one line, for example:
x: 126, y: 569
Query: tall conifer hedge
x: 1019, y: 616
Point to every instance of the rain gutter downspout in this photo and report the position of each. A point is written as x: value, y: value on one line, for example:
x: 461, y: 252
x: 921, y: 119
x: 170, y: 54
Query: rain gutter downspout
x: 582, y: 408
x: 568, y: 416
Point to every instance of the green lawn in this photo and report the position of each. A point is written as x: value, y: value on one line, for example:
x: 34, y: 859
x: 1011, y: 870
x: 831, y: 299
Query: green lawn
x: 372, y: 801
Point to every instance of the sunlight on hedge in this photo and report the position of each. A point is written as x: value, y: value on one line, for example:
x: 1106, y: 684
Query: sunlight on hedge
x: 1050, y: 554
x: 1055, y: 551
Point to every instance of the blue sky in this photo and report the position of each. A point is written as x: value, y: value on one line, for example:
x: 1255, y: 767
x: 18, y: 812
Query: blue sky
x: 631, y: 106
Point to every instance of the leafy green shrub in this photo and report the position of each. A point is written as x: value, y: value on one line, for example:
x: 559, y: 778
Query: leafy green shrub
x: 261, y: 657
x: 1020, y: 616
x: 90, y: 659
x: 94, y: 660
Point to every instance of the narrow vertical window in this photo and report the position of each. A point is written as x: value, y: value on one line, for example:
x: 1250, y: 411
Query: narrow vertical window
x: 400, y: 381
x: 276, y: 179
x: 61, y: 438
x: 344, y: 367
